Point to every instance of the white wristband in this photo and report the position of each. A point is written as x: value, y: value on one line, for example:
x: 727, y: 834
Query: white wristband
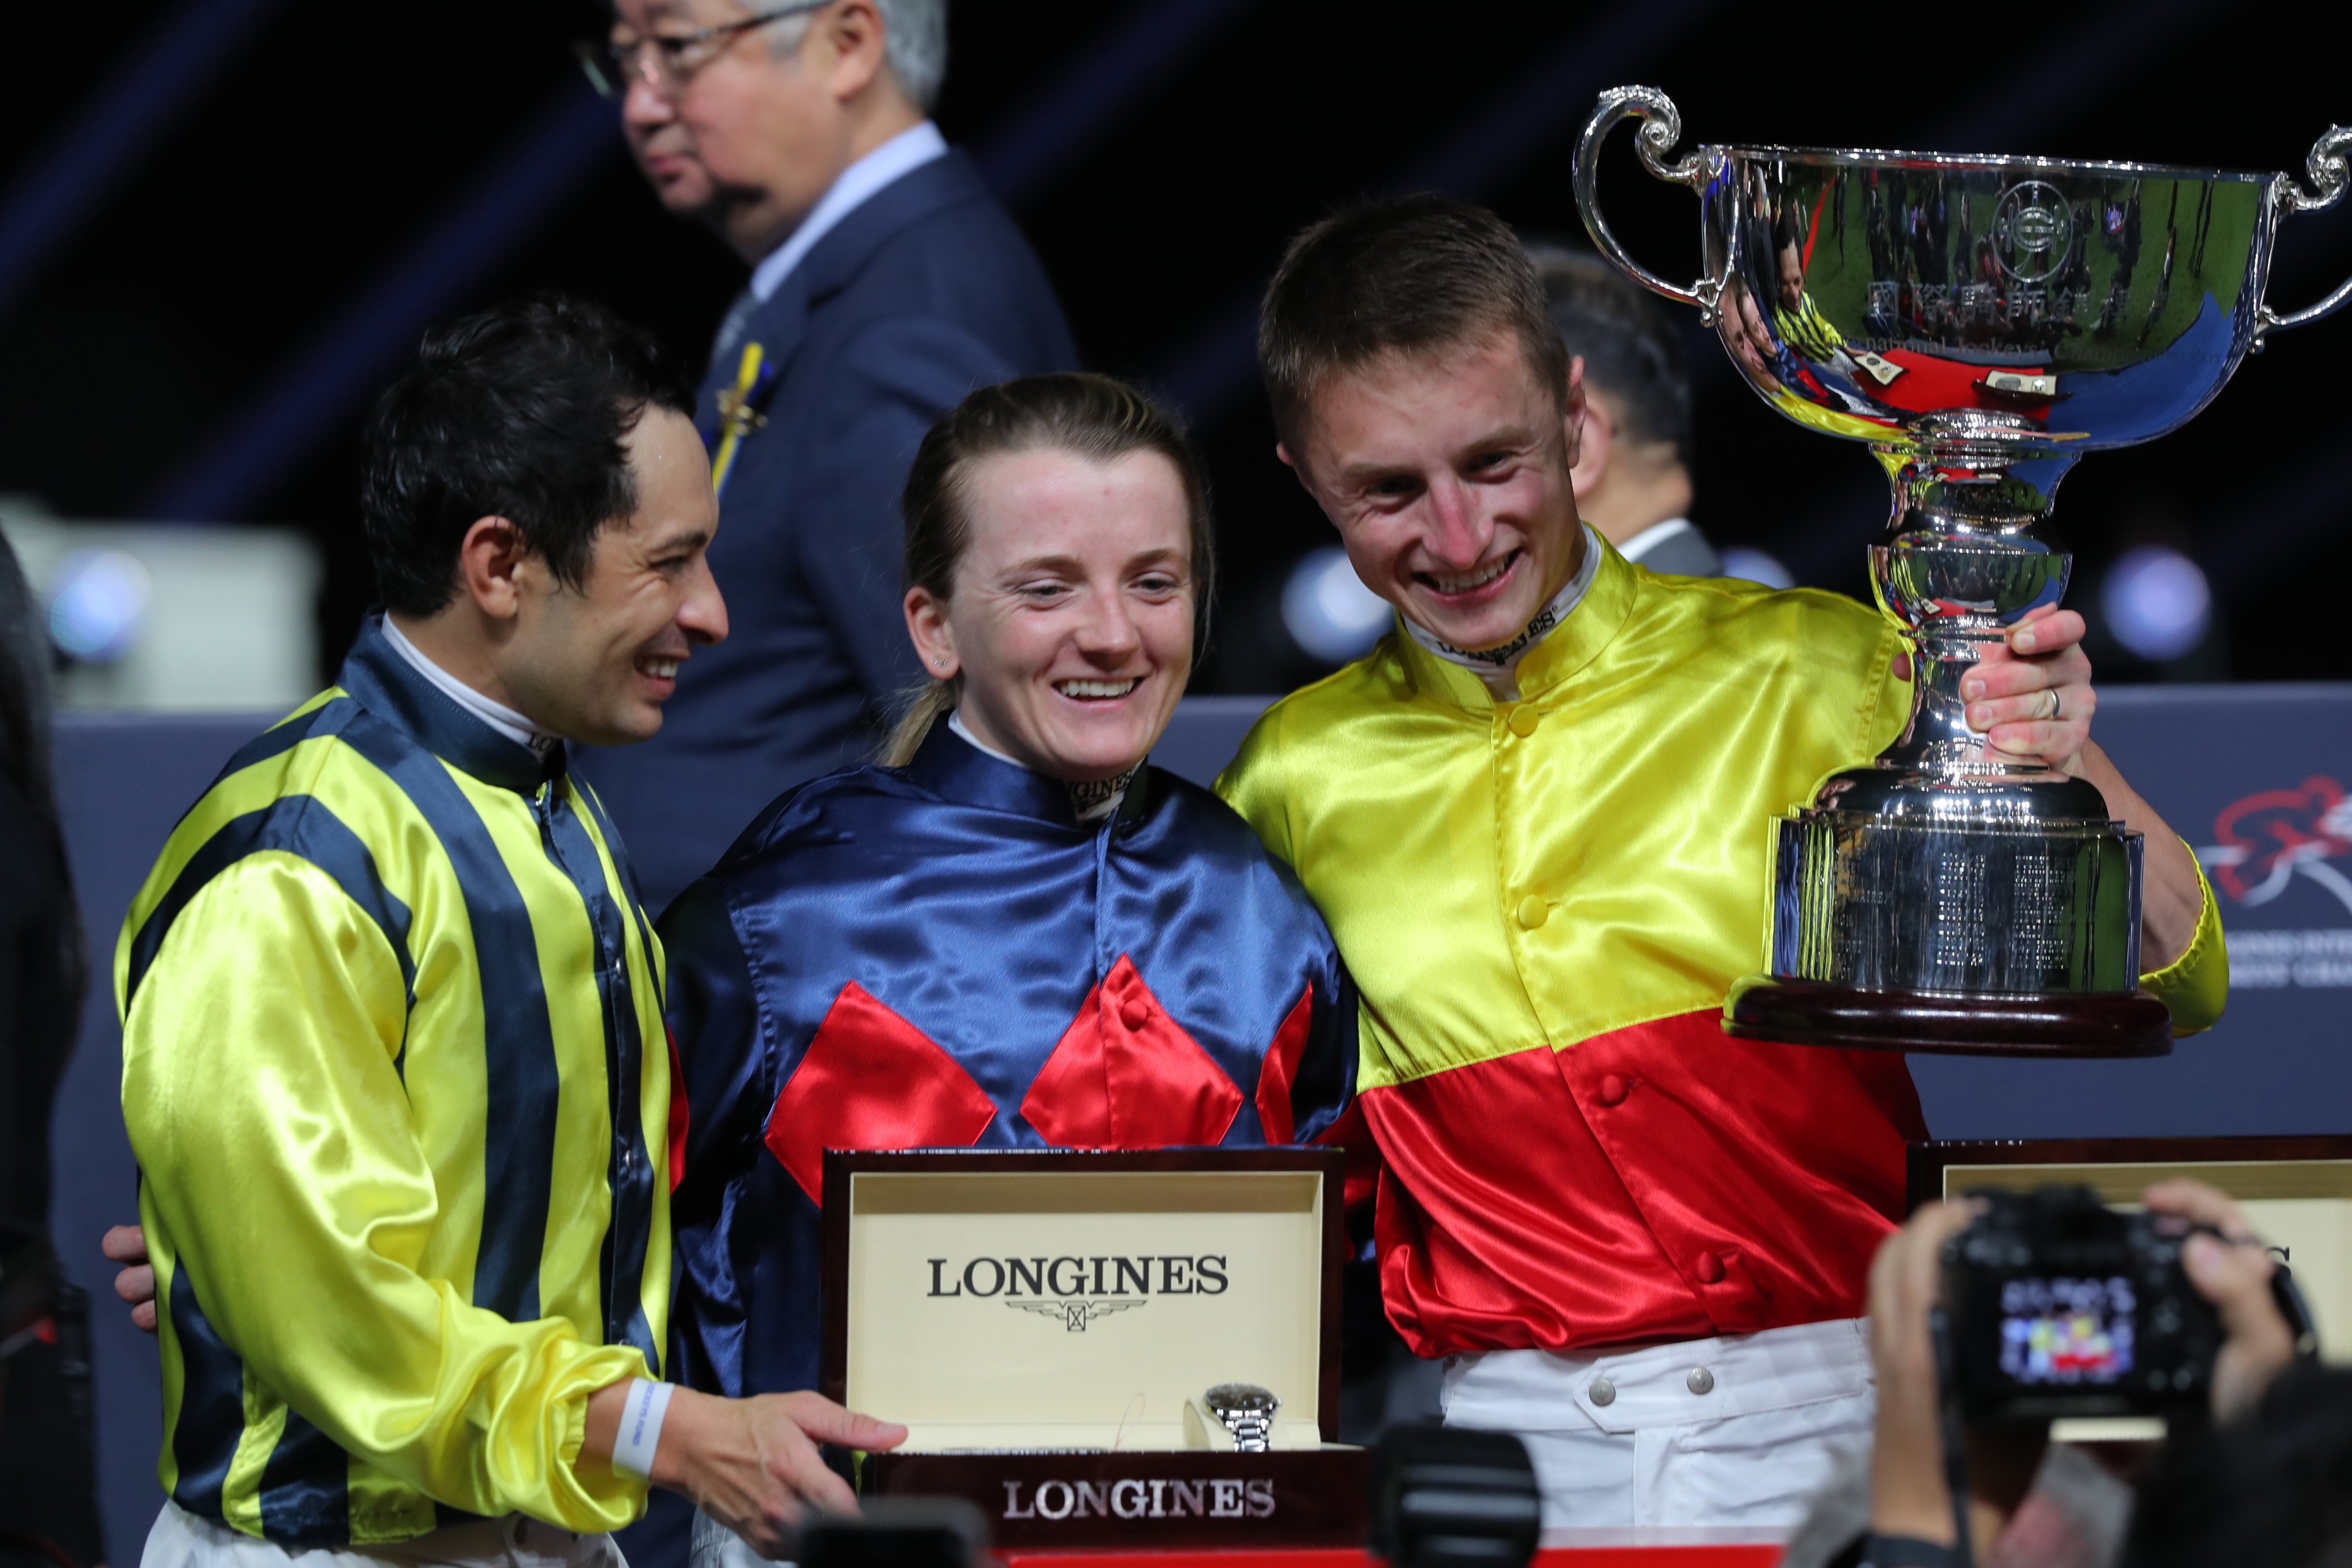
x: 641, y: 1422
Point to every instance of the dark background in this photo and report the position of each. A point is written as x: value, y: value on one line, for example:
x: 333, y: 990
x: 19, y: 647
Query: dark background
x: 202, y: 336
x: 206, y: 323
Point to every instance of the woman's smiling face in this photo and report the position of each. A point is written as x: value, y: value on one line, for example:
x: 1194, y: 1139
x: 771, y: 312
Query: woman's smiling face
x: 1071, y: 617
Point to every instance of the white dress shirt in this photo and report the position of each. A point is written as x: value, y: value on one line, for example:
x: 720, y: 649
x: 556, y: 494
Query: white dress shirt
x: 857, y: 184
x: 514, y: 726
x: 1650, y: 538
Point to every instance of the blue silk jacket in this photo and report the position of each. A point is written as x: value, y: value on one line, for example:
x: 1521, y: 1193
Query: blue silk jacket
x: 944, y: 956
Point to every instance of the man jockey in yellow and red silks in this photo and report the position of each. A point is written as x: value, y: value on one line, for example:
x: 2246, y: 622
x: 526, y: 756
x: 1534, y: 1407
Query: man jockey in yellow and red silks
x: 1538, y: 819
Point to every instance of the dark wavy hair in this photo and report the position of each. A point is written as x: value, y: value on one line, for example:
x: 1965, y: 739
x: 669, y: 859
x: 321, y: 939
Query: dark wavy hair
x: 1091, y: 416
x: 2274, y: 1489
x: 517, y: 411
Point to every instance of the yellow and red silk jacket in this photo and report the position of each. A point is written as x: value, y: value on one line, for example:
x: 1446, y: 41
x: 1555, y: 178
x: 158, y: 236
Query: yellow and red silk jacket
x: 1544, y: 903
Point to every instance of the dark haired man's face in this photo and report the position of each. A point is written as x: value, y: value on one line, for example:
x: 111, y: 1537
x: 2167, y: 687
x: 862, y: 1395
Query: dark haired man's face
x: 1793, y: 276
x: 596, y: 664
x: 1448, y: 475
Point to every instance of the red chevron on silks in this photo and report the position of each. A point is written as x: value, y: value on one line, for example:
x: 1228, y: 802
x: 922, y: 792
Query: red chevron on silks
x: 948, y: 956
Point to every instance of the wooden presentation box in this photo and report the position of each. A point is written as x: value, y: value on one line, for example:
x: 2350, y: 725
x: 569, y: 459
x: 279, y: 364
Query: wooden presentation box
x: 1040, y: 1321
x: 2295, y: 1192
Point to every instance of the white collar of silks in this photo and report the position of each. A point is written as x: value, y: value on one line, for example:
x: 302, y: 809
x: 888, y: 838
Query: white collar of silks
x: 1495, y: 664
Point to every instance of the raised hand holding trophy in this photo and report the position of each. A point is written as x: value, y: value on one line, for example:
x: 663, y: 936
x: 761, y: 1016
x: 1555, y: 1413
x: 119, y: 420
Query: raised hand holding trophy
x: 1997, y: 318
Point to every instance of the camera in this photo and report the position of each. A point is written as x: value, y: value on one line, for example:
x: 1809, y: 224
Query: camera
x: 1452, y: 1497
x: 897, y: 1532
x: 2057, y: 1306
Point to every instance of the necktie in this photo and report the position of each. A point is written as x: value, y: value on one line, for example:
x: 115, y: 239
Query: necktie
x: 731, y: 329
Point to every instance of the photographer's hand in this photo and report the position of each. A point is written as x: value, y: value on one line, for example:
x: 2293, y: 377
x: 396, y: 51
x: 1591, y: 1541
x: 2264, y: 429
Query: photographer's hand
x: 2234, y: 1272
x: 127, y: 1244
x: 1907, y: 1492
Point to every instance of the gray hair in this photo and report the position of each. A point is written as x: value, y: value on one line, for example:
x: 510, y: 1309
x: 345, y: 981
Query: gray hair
x: 914, y: 42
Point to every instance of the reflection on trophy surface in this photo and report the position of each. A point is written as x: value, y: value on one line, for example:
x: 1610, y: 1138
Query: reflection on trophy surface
x: 1982, y: 322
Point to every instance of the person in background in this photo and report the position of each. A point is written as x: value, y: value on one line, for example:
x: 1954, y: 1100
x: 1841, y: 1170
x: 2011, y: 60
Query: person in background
x: 1633, y: 472
x: 48, y: 1487
x: 886, y: 284
x: 2266, y: 1483
x: 2268, y: 1487
x: 1535, y: 818
x: 1011, y: 933
x: 393, y: 1058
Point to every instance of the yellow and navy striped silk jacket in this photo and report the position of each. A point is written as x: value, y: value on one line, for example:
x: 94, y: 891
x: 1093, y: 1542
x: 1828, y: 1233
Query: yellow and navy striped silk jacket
x: 1807, y: 330
x: 394, y: 1071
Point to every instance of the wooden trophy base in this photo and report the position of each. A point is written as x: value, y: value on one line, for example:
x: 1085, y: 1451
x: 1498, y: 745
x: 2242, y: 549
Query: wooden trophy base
x: 1808, y: 1013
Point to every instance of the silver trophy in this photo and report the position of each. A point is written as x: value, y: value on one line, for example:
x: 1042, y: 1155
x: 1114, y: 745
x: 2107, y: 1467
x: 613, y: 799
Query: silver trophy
x: 1982, y: 322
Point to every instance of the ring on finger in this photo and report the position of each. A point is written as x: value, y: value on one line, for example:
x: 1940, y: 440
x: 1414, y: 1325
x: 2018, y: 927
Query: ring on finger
x: 2052, y: 693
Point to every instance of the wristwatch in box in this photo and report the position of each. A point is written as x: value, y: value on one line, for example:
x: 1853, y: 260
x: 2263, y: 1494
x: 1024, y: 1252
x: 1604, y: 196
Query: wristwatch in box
x: 1246, y: 1411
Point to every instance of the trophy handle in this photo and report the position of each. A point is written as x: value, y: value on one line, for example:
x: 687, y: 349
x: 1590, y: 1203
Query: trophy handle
x: 1662, y: 127
x: 2330, y: 171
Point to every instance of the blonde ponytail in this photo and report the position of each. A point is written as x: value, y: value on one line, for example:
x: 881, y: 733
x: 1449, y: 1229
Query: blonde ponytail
x: 924, y: 706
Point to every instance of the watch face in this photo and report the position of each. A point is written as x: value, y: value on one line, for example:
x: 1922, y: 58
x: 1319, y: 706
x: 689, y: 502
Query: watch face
x: 1228, y: 1400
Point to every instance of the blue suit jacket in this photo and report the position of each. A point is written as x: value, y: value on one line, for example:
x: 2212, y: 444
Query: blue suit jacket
x: 919, y: 295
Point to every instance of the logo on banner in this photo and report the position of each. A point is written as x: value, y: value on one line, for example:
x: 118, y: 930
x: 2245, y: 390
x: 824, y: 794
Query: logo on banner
x: 2268, y: 842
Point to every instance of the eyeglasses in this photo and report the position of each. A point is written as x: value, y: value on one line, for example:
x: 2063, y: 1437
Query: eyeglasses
x: 665, y: 62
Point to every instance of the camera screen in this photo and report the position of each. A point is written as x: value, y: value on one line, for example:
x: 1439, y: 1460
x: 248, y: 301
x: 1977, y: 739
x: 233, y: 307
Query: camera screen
x: 2066, y: 1330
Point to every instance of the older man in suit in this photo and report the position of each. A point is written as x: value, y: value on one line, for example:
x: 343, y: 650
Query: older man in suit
x: 886, y: 283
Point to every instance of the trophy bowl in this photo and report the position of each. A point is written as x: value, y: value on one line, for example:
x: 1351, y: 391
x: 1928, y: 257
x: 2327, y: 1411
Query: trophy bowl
x: 1980, y: 322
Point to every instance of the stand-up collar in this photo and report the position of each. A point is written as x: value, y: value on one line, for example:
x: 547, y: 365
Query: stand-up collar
x: 392, y: 689
x: 1564, y: 650
x: 954, y: 769
x: 1487, y: 663
x: 892, y: 161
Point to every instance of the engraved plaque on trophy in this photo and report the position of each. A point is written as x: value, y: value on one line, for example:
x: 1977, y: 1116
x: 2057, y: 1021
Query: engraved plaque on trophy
x: 1982, y: 322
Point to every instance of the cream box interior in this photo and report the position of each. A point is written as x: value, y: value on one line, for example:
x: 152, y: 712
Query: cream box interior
x: 1073, y: 1309
x: 2302, y: 1207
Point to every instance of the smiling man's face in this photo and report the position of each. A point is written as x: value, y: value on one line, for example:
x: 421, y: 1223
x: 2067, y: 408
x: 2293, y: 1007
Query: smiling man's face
x: 1448, y: 477
x: 597, y: 662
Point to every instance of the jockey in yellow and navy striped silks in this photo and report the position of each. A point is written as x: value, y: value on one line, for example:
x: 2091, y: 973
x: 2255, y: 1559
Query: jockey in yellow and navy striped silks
x: 395, y: 1074
x: 1807, y: 330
